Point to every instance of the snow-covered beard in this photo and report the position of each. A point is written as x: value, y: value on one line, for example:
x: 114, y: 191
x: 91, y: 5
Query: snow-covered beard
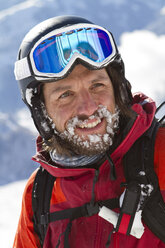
x: 91, y: 144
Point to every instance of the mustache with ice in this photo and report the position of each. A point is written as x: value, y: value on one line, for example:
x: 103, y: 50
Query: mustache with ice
x: 99, y: 140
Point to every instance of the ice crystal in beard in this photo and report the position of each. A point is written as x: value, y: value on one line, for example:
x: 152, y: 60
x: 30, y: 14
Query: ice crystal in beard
x: 72, y: 124
x: 92, y: 142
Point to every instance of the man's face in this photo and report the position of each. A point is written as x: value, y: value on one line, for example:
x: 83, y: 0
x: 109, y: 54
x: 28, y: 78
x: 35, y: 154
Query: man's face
x: 75, y: 100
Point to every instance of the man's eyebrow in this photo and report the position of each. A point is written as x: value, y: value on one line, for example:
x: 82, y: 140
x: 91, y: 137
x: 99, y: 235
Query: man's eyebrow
x: 99, y: 78
x: 62, y: 88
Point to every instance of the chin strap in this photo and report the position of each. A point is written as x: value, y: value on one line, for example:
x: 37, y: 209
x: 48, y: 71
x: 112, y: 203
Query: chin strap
x: 40, y: 117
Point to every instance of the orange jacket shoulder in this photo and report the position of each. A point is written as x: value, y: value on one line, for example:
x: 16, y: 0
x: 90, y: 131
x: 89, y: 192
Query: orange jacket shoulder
x: 25, y: 236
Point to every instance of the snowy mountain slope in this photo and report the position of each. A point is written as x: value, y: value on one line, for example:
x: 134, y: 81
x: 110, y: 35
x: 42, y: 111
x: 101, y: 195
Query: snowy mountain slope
x: 10, y: 207
x: 17, y: 145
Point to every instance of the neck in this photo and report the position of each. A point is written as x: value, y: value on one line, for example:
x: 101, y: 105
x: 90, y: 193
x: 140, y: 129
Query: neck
x: 74, y: 160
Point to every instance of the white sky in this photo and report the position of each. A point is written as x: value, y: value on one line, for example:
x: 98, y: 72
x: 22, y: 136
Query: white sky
x: 144, y: 55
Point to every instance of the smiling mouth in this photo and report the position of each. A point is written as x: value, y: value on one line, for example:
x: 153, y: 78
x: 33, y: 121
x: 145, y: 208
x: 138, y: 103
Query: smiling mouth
x: 88, y: 124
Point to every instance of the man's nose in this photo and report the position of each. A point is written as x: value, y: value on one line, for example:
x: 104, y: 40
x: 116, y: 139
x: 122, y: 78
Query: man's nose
x: 86, y: 104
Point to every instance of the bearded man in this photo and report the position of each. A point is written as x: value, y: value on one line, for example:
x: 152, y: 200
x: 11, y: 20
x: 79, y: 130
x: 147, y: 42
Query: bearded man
x: 71, y: 76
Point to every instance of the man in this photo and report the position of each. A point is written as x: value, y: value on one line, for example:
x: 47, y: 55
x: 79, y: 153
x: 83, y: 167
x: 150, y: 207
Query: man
x: 71, y: 76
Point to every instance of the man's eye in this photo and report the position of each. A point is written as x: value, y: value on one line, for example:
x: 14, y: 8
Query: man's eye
x: 65, y: 94
x: 97, y: 85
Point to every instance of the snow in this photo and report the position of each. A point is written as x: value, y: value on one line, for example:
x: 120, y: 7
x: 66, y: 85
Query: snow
x: 10, y: 202
x: 45, y: 126
x: 29, y: 95
x: 94, y: 140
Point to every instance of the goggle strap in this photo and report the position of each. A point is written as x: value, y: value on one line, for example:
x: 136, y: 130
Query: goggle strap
x: 21, y: 69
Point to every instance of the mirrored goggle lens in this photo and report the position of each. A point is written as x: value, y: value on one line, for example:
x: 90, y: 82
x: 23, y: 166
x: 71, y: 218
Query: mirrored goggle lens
x: 53, y: 54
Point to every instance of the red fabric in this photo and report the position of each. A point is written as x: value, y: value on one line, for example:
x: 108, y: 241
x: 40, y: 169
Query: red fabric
x: 159, y: 157
x: 74, y: 188
x: 124, y: 223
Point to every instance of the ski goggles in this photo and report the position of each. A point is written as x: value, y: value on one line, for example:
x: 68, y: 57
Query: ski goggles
x: 54, y: 54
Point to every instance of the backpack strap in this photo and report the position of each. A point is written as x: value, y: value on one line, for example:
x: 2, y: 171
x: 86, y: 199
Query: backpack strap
x: 140, y: 154
x: 139, y: 166
x: 154, y: 210
x: 41, y: 195
x: 71, y: 214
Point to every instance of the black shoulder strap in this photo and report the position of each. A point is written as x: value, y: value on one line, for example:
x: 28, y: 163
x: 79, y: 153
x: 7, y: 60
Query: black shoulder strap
x: 139, y: 166
x: 141, y: 153
x: 154, y: 210
x: 41, y: 195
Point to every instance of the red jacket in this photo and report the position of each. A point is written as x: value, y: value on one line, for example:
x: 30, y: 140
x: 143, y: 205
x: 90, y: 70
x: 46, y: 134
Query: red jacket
x: 73, y: 188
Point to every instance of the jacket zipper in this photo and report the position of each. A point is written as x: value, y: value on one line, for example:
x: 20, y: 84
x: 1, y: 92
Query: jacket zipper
x: 99, y: 220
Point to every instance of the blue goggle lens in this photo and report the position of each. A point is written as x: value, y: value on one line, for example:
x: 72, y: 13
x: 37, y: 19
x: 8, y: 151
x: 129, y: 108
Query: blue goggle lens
x: 53, y: 54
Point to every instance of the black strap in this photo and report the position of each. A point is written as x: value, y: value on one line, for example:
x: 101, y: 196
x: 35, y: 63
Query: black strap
x: 139, y: 166
x: 154, y: 211
x: 140, y: 157
x: 109, y: 238
x: 77, y: 212
x: 41, y: 195
x: 112, y: 166
x: 154, y: 215
x: 87, y: 209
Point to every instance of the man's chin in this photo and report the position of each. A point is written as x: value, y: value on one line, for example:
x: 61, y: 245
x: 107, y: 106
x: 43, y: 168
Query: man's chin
x: 82, y: 145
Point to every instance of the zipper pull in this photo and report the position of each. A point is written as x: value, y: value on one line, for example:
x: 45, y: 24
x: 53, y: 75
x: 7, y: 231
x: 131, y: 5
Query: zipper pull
x: 113, y: 176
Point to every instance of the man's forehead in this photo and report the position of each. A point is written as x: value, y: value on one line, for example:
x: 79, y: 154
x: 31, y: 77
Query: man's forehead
x: 68, y: 84
x: 79, y: 75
